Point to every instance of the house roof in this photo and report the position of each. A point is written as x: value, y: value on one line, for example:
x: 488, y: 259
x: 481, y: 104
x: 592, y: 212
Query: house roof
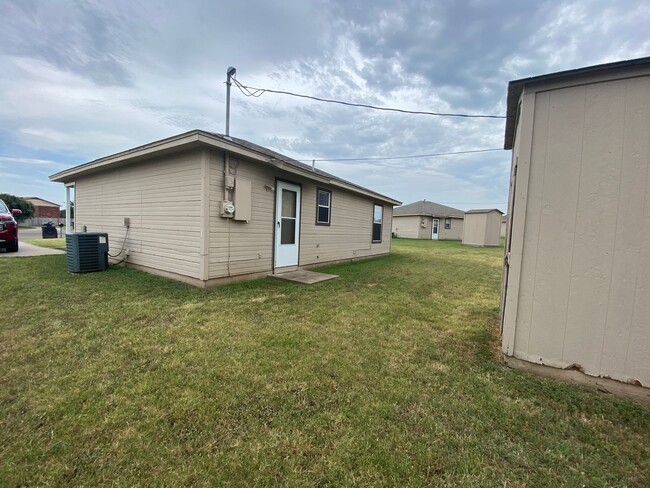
x: 483, y: 211
x: 233, y: 145
x: 516, y: 87
x: 423, y: 207
x: 41, y: 202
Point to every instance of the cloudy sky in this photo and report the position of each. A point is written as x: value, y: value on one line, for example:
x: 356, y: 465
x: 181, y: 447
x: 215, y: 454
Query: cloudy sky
x: 84, y: 79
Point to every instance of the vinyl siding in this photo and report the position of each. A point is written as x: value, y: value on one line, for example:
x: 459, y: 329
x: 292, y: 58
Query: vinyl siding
x: 455, y: 233
x: 412, y: 227
x: 162, y: 198
x: 408, y: 226
x: 238, y: 248
x: 584, y: 249
x: 349, y: 235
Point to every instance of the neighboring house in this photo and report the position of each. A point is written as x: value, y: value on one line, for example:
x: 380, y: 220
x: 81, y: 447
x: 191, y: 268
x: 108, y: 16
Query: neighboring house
x: 504, y: 225
x: 206, y: 209
x: 427, y: 220
x: 482, y: 227
x: 577, y: 277
x: 44, y: 211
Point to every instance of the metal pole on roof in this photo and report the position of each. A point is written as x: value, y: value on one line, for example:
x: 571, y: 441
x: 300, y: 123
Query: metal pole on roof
x: 229, y: 74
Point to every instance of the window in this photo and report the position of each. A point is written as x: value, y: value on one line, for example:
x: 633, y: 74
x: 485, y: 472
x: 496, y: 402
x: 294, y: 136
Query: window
x: 448, y: 223
x: 377, y: 218
x: 323, y: 206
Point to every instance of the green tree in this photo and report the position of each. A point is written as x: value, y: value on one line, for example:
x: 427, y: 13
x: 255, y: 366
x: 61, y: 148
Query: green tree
x: 13, y: 201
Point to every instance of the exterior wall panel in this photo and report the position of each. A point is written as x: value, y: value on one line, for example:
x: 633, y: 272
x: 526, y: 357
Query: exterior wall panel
x: 585, y: 257
x: 474, y: 230
x: 407, y: 226
x: 410, y: 226
x: 161, y: 197
x: 455, y: 233
x: 247, y: 247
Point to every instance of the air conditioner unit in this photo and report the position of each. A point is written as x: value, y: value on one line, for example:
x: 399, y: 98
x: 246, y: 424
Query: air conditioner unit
x: 86, y: 251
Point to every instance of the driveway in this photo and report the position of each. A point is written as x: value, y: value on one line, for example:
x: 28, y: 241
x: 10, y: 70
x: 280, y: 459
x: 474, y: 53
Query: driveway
x: 25, y: 249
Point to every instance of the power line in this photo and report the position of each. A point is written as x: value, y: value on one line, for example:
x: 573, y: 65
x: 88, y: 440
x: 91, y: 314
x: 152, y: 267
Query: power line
x: 251, y: 91
x: 405, y: 157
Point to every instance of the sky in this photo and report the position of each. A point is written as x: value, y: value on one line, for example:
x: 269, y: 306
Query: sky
x: 80, y: 80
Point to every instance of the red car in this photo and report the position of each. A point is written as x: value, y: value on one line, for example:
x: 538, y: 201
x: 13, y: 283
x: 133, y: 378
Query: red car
x: 8, y: 228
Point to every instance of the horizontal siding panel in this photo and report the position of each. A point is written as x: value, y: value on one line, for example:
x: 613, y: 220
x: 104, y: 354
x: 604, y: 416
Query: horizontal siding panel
x: 162, y: 199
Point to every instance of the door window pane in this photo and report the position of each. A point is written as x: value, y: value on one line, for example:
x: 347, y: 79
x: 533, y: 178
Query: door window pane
x: 288, y: 231
x: 288, y: 203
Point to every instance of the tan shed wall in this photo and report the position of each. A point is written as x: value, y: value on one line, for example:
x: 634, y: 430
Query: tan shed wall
x: 580, y: 253
x: 474, y: 229
x: 492, y: 229
x: 482, y: 229
x: 163, y: 200
x: 247, y: 247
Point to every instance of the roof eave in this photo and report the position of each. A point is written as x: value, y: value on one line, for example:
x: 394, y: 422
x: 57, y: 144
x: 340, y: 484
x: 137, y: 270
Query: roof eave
x: 198, y: 138
x: 516, y: 87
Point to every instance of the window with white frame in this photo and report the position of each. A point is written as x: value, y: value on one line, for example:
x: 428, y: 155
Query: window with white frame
x: 323, y: 206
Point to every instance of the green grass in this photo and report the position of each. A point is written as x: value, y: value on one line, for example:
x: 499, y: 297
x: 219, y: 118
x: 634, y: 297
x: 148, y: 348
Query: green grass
x: 385, y: 376
x: 54, y: 243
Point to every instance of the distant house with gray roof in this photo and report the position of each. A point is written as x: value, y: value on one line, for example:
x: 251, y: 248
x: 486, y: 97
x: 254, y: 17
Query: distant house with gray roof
x: 428, y: 220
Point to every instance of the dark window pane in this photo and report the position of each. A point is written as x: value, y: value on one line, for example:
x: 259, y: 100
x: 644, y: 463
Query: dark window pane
x: 324, y: 198
x: 376, y: 232
x: 288, y: 231
x: 288, y: 203
x: 323, y: 215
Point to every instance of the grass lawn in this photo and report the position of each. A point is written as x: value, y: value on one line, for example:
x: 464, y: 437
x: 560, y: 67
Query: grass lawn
x: 57, y: 243
x: 385, y: 376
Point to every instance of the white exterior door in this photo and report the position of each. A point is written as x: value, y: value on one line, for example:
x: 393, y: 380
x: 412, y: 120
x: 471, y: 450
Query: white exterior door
x: 434, y: 229
x: 287, y: 224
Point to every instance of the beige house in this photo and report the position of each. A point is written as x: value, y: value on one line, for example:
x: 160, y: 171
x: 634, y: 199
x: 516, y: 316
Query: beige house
x: 206, y: 209
x: 427, y: 220
x: 482, y: 227
x: 576, y: 287
x: 504, y: 221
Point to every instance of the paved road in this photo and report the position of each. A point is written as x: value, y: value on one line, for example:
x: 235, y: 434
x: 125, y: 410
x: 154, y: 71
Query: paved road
x: 25, y: 249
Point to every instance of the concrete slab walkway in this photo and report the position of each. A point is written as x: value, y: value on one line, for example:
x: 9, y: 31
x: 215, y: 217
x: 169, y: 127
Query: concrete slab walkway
x: 27, y: 250
x: 304, y: 277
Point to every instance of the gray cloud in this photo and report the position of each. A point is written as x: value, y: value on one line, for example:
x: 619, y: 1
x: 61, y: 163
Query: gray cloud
x: 85, y: 79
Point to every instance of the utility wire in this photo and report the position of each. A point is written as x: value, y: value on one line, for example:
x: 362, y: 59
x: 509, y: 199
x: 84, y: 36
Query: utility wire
x: 386, y: 158
x: 251, y: 91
